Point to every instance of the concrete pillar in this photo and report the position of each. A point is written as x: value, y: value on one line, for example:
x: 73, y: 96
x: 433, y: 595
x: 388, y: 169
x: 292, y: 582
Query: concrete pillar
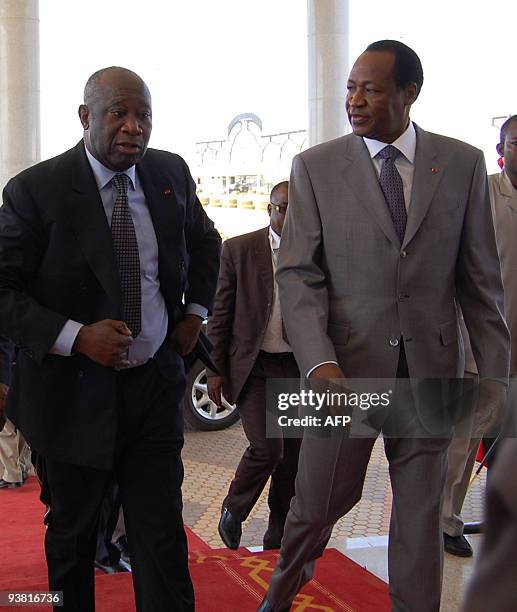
x: 327, y: 30
x: 19, y: 86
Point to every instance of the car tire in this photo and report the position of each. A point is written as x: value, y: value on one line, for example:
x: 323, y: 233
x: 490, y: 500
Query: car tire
x: 200, y: 411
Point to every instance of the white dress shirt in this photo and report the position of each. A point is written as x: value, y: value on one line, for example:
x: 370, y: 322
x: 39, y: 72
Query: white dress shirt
x: 405, y: 163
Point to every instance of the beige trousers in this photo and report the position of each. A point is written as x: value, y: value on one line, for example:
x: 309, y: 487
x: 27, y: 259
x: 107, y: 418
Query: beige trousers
x: 14, y: 454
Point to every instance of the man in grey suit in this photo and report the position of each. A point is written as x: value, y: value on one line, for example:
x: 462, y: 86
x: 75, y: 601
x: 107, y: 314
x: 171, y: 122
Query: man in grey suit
x: 381, y: 244
x: 494, y: 583
x: 462, y: 451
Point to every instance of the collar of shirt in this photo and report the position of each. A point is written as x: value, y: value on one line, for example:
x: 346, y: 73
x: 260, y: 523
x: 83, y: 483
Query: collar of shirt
x: 274, y: 239
x: 405, y: 143
x: 104, y: 175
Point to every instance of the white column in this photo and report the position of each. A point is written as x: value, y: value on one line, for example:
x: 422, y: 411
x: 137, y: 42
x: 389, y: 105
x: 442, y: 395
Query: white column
x: 19, y: 86
x: 327, y: 30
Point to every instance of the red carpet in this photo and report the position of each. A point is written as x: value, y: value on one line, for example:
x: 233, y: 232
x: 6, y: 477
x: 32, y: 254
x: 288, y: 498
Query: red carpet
x: 224, y: 581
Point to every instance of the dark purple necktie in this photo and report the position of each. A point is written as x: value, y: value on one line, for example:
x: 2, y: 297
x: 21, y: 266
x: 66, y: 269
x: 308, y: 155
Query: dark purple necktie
x: 393, y: 189
x: 126, y: 250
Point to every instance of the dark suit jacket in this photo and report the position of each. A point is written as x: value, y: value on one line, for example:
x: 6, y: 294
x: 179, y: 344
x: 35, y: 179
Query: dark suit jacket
x: 57, y: 263
x: 6, y: 360
x: 242, y: 306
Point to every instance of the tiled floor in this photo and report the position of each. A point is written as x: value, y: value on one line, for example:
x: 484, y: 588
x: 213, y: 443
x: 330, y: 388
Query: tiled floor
x: 210, y: 459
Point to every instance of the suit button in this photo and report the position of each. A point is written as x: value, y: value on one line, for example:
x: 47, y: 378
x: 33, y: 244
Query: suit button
x: 80, y: 373
x: 394, y: 341
x: 403, y: 254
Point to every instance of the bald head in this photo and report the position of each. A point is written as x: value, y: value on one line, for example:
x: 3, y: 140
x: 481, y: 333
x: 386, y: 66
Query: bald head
x: 116, y: 117
x: 105, y: 77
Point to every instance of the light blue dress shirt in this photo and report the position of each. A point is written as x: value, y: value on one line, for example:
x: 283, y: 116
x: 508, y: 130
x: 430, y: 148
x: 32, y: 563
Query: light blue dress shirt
x: 154, y: 311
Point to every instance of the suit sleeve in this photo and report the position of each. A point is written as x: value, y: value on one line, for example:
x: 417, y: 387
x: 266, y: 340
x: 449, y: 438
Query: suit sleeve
x: 22, y: 247
x: 220, y: 323
x: 6, y: 360
x: 479, y: 284
x: 204, y: 248
x: 301, y: 278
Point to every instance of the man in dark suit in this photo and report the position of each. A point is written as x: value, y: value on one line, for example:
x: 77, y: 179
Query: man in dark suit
x: 247, y: 333
x: 388, y: 230
x: 99, y: 380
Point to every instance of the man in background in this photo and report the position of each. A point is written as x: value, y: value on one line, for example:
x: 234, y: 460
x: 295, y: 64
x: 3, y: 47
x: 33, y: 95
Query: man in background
x: 494, y: 582
x: 387, y: 228
x: 462, y: 451
x: 246, y: 329
x: 14, y: 452
x: 98, y: 246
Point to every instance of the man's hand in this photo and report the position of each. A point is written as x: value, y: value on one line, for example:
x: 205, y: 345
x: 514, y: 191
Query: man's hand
x: 326, y: 371
x: 185, y: 334
x: 490, y: 406
x: 217, y: 389
x: 105, y: 342
x: 3, y: 399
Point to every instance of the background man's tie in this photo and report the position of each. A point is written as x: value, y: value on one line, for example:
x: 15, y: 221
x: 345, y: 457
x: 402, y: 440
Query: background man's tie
x: 126, y: 250
x: 393, y: 189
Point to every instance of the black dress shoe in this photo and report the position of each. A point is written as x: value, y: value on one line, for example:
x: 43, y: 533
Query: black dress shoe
x: 475, y: 527
x: 230, y: 529
x: 265, y: 607
x: 4, y: 484
x: 457, y: 545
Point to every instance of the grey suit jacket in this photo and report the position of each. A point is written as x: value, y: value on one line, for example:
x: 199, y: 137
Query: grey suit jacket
x: 353, y: 291
x: 503, y: 197
x: 494, y: 583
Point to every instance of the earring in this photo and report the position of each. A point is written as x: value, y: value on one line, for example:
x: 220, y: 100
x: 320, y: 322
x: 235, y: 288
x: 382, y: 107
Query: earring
x: 500, y: 162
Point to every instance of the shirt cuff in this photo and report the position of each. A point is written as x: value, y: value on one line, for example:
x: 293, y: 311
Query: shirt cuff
x: 197, y: 309
x: 317, y: 366
x: 65, y: 341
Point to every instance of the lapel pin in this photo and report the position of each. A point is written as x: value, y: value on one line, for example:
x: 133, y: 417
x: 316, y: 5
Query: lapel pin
x: 435, y: 170
x: 167, y: 192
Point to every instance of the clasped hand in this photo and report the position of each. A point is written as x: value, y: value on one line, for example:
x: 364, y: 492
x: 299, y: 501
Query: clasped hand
x: 105, y: 342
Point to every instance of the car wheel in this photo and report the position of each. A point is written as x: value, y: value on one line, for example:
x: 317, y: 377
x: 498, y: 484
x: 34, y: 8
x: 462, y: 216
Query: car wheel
x: 200, y: 410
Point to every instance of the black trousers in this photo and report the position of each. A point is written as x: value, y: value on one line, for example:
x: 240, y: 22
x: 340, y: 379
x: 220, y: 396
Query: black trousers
x: 264, y: 457
x: 149, y: 472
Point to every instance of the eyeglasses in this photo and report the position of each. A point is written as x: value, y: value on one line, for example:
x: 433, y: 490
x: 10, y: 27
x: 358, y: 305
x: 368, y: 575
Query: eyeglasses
x: 281, y: 208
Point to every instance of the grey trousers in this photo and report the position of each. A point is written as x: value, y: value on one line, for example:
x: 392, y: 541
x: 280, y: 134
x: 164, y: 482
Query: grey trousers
x: 329, y: 483
x: 461, y: 457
